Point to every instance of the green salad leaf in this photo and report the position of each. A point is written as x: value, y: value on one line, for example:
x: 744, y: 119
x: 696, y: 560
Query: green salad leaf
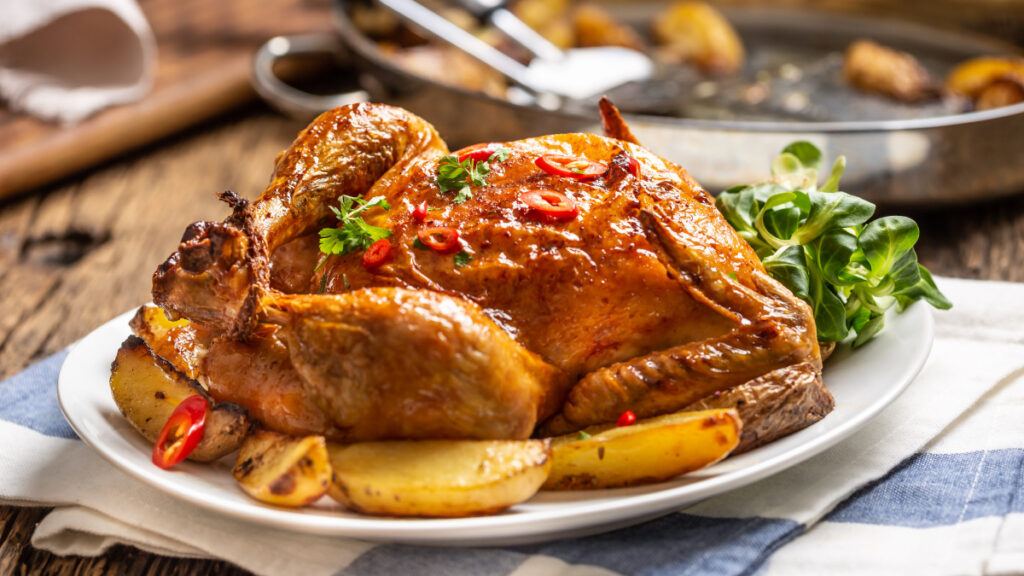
x: 822, y: 244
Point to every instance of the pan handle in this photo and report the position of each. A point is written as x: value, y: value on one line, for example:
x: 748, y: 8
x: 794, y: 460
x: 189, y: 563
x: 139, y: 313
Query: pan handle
x: 291, y: 100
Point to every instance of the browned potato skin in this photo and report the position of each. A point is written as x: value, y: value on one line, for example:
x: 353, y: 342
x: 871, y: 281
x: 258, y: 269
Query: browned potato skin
x: 147, y: 389
x: 595, y: 26
x: 649, y: 451
x: 695, y: 32
x: 872, y: 67
x: 283, y: 470
x: 972, y: 77
x: 550, y: 18
x: 1001, y: 92
x: 437, y: 478
x: 179, y: 342
x: 991, y: 82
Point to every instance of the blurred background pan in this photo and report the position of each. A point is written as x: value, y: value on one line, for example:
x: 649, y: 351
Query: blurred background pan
x: 725, y: 130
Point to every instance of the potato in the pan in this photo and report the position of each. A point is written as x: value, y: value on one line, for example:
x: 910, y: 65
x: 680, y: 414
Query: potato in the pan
x: 147, y: 389
x: 180, y: 342
x: 550, y: 18
x: 871, y: 67
x: 283, y: 470
x: 437, y: 478
x: 990, y: 81
x: 648, y: 451
x: 595, y: 26
x: 697, y: 33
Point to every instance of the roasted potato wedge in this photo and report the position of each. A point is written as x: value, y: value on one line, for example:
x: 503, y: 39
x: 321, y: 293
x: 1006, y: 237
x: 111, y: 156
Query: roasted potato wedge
x: 595, y: 26
x: 283, y: 470
x: 180, y: 342
x: 550, y: 18
x: 649, y: 451
x: 147, y: 389
x: 871, y: 67
x: 437, y: 478
x: 971, y: 77
x: 697, y: 33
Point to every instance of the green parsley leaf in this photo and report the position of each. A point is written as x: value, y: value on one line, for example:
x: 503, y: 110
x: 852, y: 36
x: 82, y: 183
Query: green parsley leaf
x: 457, y: 177
x: 462, y: 195
x: 822, y: 244
x: 419, y: 245
x: 352, y: 232
x: 462, y: 258
x: 500, y: 155
x: 582, y: 435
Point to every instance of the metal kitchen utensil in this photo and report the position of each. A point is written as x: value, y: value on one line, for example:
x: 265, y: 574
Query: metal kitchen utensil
x: 896, y: 154
x: 576, y: 74
x: 494, y: 13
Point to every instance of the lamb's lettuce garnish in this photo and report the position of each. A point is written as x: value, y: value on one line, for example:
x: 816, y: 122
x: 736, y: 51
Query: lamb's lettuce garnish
x: 822, y: 244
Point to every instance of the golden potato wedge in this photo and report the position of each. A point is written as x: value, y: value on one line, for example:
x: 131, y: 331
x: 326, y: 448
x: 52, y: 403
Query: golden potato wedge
x: 283, y: 470
x: 973, y: 76
x: 697, y: 33
x: 550, y: 18
x: 649, y: 451
x: 1005, y: 91
x: 180, y: 342
x: 147, y: 389
x: 595, y: 26
x: 437, y: 478
x: 871, y: 67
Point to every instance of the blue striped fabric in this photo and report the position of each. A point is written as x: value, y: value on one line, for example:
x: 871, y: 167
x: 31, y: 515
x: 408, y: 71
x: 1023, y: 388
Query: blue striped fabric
x: 29, y: 398
x: 926, y: 490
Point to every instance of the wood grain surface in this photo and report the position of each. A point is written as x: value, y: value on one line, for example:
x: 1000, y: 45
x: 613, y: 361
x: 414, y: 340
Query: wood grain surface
x: 204, y: 53
x: 74, y: 255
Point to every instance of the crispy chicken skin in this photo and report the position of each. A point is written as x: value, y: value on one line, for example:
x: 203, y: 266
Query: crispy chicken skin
x: 646, y: 301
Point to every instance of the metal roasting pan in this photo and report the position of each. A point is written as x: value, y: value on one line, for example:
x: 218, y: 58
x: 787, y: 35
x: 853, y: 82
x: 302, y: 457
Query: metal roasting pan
x: 922, y: 155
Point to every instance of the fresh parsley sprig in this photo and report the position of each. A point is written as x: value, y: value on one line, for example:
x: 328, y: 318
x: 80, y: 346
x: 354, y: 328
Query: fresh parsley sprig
x: 822, y: 244
x: 352, y: 232
x: 458, y: 177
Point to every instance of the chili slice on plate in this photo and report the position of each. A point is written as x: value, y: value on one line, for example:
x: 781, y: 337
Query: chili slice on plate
x: 550, y: 203
x: 443, y: 239
x: 478, y: 152
x: 182, y: 432
x: 377, y: 254
x: 570, y: 166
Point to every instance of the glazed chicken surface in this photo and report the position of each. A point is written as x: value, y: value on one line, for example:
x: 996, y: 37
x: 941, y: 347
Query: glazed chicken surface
x: 644, y: 300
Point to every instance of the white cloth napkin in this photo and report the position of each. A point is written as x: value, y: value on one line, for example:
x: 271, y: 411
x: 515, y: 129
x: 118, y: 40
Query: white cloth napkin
x: 937, y: 485
x: 64, y: 60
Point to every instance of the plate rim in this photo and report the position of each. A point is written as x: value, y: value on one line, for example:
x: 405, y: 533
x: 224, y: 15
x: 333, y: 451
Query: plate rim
x: 492, y: 530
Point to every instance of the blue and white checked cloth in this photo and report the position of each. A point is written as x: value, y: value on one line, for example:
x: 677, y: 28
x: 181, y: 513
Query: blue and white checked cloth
x: 933, y: 485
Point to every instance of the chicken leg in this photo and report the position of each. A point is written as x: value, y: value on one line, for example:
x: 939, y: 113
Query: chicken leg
x: 221, y: 269
x: 391, y: 363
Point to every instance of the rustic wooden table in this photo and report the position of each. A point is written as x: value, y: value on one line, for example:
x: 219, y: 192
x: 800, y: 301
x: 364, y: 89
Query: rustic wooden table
x: 77, y: 253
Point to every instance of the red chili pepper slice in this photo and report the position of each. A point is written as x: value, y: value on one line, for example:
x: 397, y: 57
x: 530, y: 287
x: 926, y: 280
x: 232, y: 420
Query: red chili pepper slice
x: 419, y: 214
x: 571, y: 167
x: 478, y: 152
x: 377, y: 254
x: 182, y: 432
x: 550, y: 203
x: 628, y: 418
x: 443, y: 239
x: 634, y: 167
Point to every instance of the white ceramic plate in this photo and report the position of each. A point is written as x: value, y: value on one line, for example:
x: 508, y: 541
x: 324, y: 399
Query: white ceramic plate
x: 863, y: 382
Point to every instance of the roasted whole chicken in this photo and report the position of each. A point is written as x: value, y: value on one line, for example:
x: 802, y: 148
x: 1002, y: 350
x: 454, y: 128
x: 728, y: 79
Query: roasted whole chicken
x: 639, y: 298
